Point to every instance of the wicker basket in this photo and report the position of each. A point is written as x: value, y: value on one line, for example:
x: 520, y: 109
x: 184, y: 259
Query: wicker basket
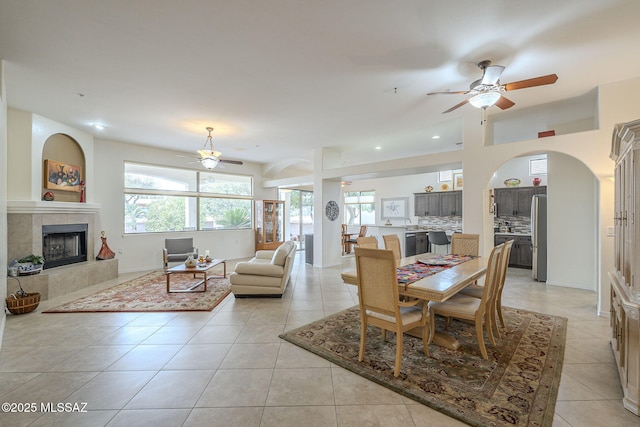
x: 21, y: 305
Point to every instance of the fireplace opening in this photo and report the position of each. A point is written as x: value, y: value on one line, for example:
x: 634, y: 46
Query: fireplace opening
x: 64, y: 244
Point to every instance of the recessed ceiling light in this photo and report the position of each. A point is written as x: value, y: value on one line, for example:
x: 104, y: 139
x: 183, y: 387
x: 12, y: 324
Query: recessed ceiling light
x: 378, y: 148
x: 98, y: 126
x: 435, y: 137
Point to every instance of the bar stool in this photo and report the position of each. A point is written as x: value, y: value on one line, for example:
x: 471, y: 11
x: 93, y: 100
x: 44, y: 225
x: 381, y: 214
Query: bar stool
x: 438, y: 238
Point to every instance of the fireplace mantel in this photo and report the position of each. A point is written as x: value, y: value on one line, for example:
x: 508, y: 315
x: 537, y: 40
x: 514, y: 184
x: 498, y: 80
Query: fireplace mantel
x: 43, y: 207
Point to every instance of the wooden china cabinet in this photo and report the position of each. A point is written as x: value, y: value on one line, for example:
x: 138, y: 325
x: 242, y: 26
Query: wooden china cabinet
x: 269, y: 224
x: 625, y: 278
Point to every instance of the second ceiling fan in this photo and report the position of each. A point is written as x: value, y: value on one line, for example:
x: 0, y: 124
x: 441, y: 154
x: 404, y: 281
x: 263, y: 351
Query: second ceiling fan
x: 488, y: 90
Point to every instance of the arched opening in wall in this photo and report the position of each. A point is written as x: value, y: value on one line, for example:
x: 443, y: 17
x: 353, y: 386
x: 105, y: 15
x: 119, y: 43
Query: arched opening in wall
x: 570, y: 243
x: 64, y: 168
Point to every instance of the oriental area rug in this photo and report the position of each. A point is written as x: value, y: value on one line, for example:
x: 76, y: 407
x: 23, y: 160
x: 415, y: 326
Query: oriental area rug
x: 149, y: 293
x: 516, y: 386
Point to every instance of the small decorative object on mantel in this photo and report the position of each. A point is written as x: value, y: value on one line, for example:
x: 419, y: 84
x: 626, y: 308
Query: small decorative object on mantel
x: 48, y: 196
x: 428, y: 189
x: 444, y: 187
x: 22, y: 302
x: 30, y: 264
x: 536, y: 181
x: 105, y: 251
x: 388, y: 223
x: 83, y: 188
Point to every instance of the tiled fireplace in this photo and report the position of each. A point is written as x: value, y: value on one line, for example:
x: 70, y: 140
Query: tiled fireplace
x: 65, y: 234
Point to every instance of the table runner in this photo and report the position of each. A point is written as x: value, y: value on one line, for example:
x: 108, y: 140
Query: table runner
x: 408, y: 274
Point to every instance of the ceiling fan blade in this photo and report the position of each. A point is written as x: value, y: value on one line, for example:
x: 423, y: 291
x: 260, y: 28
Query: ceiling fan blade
x: 536, y: 81
x: 188, y: 157
x: 492, y: 74
x: 447, y: 92
x: 231, y: 162
x: 504, y: 103
x: 466, y: 101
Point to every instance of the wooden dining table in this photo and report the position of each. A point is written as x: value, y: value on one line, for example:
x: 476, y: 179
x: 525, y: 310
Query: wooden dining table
x: 438, y: 287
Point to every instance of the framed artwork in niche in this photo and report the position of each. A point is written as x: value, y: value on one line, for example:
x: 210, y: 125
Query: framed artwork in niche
x: 62, y: 176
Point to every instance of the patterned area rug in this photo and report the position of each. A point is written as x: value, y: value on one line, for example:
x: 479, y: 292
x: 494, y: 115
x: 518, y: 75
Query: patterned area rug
x: 516, y: 386
x: 149, y: 293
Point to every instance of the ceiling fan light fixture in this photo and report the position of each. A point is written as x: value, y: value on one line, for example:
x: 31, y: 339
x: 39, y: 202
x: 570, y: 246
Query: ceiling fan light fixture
x: 485, y: 99
x: 209, y: 162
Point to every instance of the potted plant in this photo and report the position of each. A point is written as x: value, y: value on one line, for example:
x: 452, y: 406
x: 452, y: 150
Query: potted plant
x: 30, y: 264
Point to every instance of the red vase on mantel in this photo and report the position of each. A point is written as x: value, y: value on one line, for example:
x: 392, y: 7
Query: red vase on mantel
x: 536, y: 181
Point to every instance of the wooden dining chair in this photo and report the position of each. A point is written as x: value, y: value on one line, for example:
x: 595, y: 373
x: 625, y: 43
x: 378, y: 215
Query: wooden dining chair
x: 465, y: 244
x: 473, y: 309
x: 496, y: 303
x: 380, y: 304
x: 392, y: 242
x: 346, y: 240
x: 362, y: 233
x: 367, y: 242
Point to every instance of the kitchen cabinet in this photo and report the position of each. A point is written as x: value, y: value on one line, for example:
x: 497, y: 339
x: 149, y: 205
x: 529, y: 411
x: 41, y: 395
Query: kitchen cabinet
x: 409, y: 244
x: 426, y: 204
x: 447, y: 203
x: 451, y: 203
x: 624, y: 278
x: 416, y: 243
x: 521, y: 251
x: 269, y: 224
x: 422, y: 243
x: 516, y: 201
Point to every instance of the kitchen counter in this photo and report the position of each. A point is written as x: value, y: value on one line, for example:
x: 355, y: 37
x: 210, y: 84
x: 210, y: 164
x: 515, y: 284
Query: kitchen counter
x: 511, y: 234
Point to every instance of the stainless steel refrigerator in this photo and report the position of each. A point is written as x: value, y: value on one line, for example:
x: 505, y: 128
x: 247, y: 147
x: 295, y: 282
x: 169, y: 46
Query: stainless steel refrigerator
x: 539, y: 236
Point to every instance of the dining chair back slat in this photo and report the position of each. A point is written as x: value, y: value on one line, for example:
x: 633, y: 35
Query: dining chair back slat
x: 392, y: 242
x: 465, y: 244
x: 368, y: 242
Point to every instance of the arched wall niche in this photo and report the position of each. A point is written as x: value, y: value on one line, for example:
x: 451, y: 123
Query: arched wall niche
x: 62, y: 148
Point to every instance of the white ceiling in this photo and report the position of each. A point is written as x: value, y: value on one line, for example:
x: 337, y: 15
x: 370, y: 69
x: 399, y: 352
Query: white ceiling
x: 280, y: 78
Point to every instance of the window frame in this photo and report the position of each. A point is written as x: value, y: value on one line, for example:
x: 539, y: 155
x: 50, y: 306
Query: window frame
x: 195, y: 196
x: 359, y: 203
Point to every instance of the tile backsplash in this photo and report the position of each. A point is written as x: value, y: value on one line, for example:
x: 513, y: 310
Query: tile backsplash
x: 518, y: 224
x: 453, y: 223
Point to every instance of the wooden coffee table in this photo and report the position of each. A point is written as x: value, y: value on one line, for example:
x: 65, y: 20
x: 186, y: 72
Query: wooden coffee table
x: 183, y: 269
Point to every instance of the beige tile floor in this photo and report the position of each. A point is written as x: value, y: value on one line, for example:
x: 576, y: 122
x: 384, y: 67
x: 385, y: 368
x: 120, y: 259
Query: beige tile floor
x: 229, y: 368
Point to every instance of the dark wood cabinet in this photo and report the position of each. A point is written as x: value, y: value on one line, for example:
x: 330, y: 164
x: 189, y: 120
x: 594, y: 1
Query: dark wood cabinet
x: 451, y: 203
x: 422, y: 243
x: 521, y: 251
x: 516, y: 201
x: 438, y: 204
x: 426, y: 204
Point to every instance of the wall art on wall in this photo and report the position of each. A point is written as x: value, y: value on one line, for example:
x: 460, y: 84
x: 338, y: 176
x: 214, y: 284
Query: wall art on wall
x: 62, y: 176
x: 394, y: 208
x: 457, y: 181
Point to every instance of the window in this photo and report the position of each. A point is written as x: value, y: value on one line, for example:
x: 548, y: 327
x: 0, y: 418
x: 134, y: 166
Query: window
x: 359, y: 208
x: 161, y: 199
x: 538, y: 166
x: 445, y: 176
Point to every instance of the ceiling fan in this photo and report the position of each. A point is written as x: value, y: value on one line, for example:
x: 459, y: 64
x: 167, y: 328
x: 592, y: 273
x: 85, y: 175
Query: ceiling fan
x: 210, y: 158
x: 488, y: 90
